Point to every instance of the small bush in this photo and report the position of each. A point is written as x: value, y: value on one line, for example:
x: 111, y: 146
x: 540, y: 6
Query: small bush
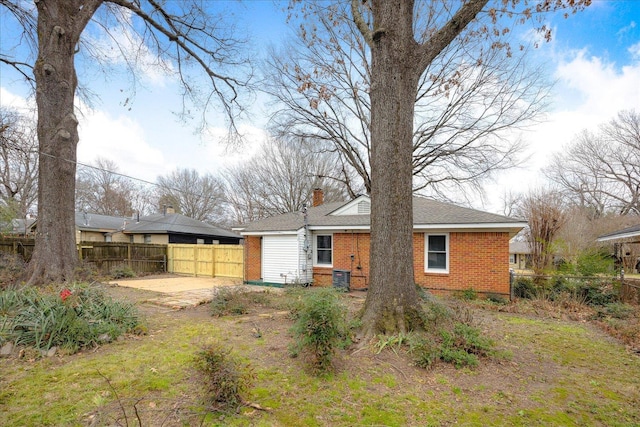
x: 122, y: 272
x: 319, y: 328
x: 617, y: 310
x: 497, y: 298
x: 233, y: 301
x: 425, y: 350
x: 225, y: 378
x: 524, y: 288
x: 467, y: 295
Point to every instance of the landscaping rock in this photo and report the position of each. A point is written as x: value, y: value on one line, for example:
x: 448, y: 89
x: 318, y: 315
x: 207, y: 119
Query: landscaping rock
x: 6, y: 349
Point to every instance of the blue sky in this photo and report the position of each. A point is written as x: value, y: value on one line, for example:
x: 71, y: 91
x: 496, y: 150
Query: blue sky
x: 594, y: 59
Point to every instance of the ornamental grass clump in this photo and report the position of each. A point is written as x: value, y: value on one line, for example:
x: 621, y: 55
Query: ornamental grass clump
x: 319, y: 328
x: 71, y: 318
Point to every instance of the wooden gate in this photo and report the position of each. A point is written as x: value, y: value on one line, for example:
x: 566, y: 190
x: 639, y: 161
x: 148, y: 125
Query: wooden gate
x: 206, y: 260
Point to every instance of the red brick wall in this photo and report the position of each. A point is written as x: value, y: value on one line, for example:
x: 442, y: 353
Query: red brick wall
x: 344, y: 245
x: 479, y: 261
x: 252, y: 261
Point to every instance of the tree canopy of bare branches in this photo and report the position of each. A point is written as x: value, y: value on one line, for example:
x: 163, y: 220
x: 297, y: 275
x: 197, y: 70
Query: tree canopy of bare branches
x: 600, y: 170
x: 197, y: 196
x: 546, y: 213
x: 470, y: 100
x: 18, y: 164
x: 281, y: 178
x: 101, y: 189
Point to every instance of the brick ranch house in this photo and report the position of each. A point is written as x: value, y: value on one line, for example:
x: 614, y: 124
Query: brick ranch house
x: 455, y: 248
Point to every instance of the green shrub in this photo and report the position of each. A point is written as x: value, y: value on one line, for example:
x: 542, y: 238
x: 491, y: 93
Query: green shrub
x: 592, y: 263
x: 458, y: 357
x: 497, y: 298
x: 469, y: 339
x: 523, y: 287
x: 319, y: 328
x: 425, y: 350
x: 234, y: 301
x: 225, y: 378
x: 73, y: 318
x: 467, y: 295
x: 617, y: 310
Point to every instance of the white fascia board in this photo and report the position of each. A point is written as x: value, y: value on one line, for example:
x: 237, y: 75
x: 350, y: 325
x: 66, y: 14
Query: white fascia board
x: 237, y: 228
x: 268, y: 233
x: 619, y: 236
x: 338, y: 228
x: 512, y: 226
x: 472, y: 226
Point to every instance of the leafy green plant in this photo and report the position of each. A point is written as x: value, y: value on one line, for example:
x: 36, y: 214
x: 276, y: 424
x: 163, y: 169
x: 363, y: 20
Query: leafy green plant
x: 425, y: 350
x: 394, y: 342
x: 225, y: 378
x: 467, y: 295
x: 320, y: 327
x: 73, y: 318
x: 524, y: 287
x: 497, y: 298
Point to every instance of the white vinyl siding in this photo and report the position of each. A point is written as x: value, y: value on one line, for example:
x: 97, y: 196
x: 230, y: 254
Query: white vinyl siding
x: 436, y: 253
x: 280, y: 258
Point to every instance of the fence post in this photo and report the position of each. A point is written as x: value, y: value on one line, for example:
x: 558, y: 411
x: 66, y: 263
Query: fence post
x: 129, y: 255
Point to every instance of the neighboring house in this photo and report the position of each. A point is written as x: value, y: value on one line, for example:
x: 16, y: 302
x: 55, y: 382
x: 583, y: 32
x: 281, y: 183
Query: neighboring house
x: 629, y: 234
x: 17, y: 227
x: 519, y: 255
x: 626, y: 246
x: 157, y: 229
x: 455, y: 248
x: 177, y: 228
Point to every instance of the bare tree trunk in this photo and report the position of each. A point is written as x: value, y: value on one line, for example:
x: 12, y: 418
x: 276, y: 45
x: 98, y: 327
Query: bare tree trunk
x: 392, y: 303
x: 60, y: 23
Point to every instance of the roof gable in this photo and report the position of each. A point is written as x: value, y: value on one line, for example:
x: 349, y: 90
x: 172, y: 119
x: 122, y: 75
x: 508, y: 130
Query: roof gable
x: 361, y: 205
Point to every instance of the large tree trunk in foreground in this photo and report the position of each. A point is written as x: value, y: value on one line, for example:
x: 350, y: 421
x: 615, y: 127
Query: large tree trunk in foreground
x: 60, y: 23
x: 392, y: 302
x: 397, y: 61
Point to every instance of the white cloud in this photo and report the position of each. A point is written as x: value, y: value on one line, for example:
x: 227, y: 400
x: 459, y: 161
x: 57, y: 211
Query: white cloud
x: 121, y: 140
x: 589, y: 91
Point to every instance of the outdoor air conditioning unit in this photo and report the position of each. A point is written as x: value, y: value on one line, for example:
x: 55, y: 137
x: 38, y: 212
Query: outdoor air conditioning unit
x: 342, y: 280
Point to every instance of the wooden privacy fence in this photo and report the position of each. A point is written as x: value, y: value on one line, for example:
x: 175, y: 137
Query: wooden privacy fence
x: 139, y: 257
x: 104, y: 256
x: 206, y: 260
x: 18, y: 246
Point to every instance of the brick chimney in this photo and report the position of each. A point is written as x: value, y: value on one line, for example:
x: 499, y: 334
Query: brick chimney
x: 318, y: 197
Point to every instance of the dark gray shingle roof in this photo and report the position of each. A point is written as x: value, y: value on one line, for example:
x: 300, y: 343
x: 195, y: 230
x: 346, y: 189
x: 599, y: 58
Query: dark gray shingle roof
x: 91, y: 221
x: 176, y: 223
x: 425, y: 212
x: 625, y: 233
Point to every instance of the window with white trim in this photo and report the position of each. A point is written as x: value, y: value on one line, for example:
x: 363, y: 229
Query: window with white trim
x: 324, y: 250
x: 512, y: 258
x: 436, y: 253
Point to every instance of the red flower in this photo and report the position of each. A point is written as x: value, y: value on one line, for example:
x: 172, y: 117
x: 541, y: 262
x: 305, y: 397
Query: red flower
x: 64, y: 294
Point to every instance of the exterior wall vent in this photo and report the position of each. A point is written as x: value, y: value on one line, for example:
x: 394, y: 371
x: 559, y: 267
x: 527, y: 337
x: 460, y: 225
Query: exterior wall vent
x: 364, y: 208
